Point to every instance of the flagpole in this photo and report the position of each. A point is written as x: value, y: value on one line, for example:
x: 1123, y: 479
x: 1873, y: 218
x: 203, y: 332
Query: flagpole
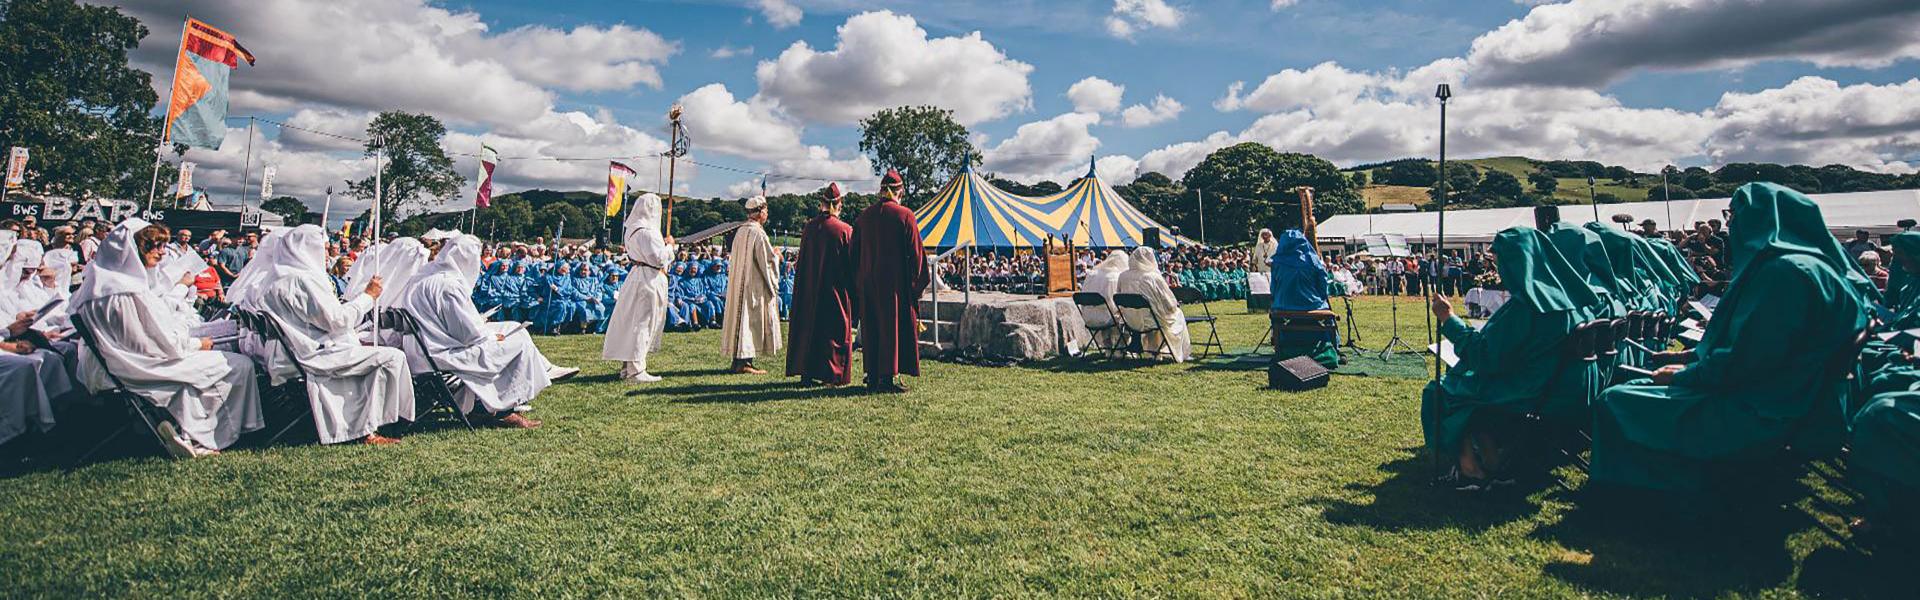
x: 153, y: 185
x: 379, y: 191
x: 326, y: 210
x: 246, y: 169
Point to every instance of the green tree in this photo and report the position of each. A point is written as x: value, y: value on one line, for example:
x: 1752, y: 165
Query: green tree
x: 1409, y: 172
x: 1543, y: 183
x: 576, y: 223
x: 1500, y: 184
x: 923, y: 142
x: 418, y: 175
x: 288, y: 207
x: 68, y: 94
x: 1359, y: 179
x: 1249, y: 185
x: 1161, y: 199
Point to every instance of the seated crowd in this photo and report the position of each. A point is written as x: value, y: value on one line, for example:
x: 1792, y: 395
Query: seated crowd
x: 1682, y: 387
x: 133, y: 325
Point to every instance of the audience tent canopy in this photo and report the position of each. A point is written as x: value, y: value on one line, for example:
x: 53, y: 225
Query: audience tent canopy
x: 1873, y: 211
x: 969, y: 210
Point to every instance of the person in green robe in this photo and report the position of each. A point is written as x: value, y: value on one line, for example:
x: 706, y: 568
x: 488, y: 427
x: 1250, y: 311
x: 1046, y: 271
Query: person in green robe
x: 1889, y: 366
x: 1632, y: 283
x: 1678, y: 265
x: 1508, y: 367
x: 1885, y: 463
x: 1756, y: 382
x: 1571, y: 403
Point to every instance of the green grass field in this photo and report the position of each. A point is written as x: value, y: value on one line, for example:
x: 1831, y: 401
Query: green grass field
x: 1570, y: 190
x: 1075, y: 478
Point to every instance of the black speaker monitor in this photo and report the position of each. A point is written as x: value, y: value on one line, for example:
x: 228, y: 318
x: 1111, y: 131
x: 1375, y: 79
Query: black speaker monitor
x: 1297, y: 374
x: 1150, y: 237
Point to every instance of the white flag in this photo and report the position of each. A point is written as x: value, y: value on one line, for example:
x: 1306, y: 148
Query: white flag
x: 186, y: 181
x: 16, y: 167
x: 266, y: 183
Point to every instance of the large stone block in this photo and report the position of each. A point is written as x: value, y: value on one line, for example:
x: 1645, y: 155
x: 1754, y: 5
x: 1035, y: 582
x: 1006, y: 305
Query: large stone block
x: 1014, y: 327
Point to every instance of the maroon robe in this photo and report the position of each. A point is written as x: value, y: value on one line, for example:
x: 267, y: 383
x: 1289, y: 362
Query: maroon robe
x: 891, y: 273
x: 820, y: 337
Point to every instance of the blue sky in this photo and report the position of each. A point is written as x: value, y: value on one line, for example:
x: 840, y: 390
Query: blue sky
x: 1637, y: 82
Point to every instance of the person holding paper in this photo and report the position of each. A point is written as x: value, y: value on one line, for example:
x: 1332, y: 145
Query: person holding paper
x: 1508, y: 366
x: 499, y: 368
x: 354, y: 389
x: 640, y: 315
x: 1756, y: 383
x: 211, y: 395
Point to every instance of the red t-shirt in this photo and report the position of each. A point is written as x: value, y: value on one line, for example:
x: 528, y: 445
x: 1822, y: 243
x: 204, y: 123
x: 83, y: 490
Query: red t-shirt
x: 207, y: 283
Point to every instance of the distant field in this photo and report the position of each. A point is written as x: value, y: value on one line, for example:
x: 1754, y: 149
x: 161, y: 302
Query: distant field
x: 1570, y: 191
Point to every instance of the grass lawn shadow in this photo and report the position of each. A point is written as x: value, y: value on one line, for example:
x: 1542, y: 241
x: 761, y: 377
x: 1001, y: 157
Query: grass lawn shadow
x: 1408, y: 500
x: 1697, y: 546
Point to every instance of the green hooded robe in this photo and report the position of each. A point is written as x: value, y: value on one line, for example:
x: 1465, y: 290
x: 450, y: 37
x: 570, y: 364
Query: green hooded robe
x: 1633, y: 282
x: 1757, y: 380
x: 1518, y: 360
x: 1885, y: 463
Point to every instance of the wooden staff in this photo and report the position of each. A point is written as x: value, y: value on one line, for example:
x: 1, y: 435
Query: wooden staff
x: 1308, y: 225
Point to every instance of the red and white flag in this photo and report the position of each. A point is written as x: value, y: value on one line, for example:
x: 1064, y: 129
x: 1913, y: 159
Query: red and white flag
x: 617, y: 176
x: 488, y: 158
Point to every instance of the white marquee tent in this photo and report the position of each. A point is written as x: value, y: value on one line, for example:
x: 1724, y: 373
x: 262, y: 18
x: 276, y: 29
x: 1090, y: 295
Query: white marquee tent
x: 1873, y: 211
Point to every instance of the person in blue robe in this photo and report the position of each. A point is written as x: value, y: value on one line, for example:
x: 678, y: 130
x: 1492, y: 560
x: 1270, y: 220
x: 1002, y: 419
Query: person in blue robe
x: 588, y: 293
x: 714, y: 306
x: 1299, y: 285
x: 560, y: 299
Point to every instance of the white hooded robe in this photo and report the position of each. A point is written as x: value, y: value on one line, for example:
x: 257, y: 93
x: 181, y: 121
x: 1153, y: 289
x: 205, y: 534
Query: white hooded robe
x: 640, y: 311
x: 499, y: 374
x: 354, y: 389
x: 210, y: 394
x: 1143, y: 277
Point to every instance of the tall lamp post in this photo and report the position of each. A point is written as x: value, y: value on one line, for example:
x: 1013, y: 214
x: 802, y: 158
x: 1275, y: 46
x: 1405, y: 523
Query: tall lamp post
x: 1593, y: 199
x: 1667, y: 193
x: 1444, y: 92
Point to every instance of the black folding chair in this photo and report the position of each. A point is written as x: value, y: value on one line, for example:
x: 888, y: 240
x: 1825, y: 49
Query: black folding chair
x: 436, y: 385
x: 1311, y: 321
x: 1137, y: 302
x: 293, y: 393
x: 1189, y: 296
x: 142, y: 412
x: 1099, y: 318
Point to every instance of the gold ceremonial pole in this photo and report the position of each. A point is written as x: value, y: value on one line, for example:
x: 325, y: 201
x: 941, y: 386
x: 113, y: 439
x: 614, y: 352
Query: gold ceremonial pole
x: 673, y: 161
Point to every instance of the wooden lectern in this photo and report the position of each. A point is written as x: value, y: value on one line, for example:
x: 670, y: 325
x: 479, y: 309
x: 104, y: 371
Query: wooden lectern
x: 1058, y: 256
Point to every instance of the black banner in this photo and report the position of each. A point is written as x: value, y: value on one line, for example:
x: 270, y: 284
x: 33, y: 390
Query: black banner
x: 61, y: 211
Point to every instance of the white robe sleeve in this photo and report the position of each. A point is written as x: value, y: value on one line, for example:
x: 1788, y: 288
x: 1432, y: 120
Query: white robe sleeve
x: 458, y: 320
x: 319, y: 307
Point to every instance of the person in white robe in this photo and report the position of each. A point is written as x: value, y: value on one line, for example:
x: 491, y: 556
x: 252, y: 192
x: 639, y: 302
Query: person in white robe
x: 1143, y: 277
x: 1263, y: 252
x: 751, y: 321
x: 1104, y: 279
x: 499, y: 372
x: 32, y: 378
x: 354, y: 389
x: 640, y: 311
x: 211, y: 395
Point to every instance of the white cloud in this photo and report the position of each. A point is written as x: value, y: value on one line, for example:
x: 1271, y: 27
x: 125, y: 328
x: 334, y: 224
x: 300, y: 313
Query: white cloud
x: 1162, y: 109
x: 1130, y: 16
x: 403, y: 55
x: 814, y: 170
x: 1044, y: 146
x: 883, y: 60
x: 718, y: 122
x: 1280, y: 4
x: 781, y: 14
x: 1324, y: 83
x: 586, y: 58
x: 1595, y: 42
x: 1817, y: 121
x: 1095, y: 95
x: 725, y: 52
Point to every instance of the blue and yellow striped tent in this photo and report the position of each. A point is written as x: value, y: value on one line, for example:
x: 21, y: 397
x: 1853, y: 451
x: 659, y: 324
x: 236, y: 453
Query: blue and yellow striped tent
x: 971, y: 210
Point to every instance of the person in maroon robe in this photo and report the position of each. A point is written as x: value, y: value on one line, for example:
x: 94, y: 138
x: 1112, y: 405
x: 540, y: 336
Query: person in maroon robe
x: 820, y: 337
x: 891, y: 272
